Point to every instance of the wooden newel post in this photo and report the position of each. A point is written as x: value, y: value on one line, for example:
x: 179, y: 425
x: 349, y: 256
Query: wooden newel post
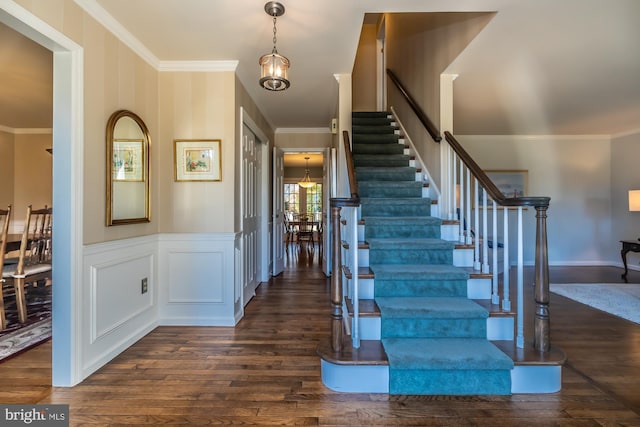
x: 542, y: 326
x: 336, y: 282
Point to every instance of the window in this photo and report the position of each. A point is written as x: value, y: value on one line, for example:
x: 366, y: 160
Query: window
x: 291, y: 198
x: 314, y: 201
x: 303, y: 200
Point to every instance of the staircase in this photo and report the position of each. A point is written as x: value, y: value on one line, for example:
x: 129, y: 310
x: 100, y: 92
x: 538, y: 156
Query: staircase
x: 434, y: 336
x: 424, y: 321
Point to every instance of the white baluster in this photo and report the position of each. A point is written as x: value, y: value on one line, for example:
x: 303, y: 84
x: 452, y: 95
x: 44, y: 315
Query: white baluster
x: 485, y: 243
x: 461, y: 193
x: 495, y: 298
x: 468, y: 215
x: 506, y: 302
x: 476, y: 222
x: 354, y: 275
x: 520, y: 333
x: 454, y: 176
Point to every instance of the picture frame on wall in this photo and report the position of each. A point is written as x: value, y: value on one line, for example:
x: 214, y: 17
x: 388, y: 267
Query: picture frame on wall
x: 198, y: 160
x: 127, y: 160
x: 511, y: 183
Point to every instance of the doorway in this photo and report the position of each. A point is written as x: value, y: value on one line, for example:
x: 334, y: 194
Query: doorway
x: 303, y: 201
x: 67, y: 185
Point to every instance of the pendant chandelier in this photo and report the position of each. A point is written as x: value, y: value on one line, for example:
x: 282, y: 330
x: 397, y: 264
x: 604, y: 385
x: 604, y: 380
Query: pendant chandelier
x: 274, y: 68
x: 306, y: 181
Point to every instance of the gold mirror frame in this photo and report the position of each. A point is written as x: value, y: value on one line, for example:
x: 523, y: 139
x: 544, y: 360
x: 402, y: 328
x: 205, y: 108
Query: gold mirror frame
x: 127, y: 169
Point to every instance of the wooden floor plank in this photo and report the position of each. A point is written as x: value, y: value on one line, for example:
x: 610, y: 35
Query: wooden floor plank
x: 266, y: 371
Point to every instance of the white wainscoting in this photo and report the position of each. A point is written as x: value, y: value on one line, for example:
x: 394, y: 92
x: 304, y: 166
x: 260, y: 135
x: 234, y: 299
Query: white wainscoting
x: 192, y: 279
x: 115, y: 311
x: 197, y: 279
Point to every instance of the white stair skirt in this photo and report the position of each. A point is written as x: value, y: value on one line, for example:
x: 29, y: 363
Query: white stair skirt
x: 355, y: 378
x: 536, y: 379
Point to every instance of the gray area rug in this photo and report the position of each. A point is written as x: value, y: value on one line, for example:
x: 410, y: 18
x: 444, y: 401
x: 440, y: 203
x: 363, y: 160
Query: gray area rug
x: 622, y: 300
x: 25, y: 338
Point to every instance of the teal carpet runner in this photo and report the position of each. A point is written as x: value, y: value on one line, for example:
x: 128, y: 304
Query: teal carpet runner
x: 434, y: 336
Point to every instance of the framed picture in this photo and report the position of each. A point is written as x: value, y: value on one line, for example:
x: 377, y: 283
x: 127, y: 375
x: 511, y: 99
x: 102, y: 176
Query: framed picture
x: 511, y: 183
x: 197, y: 160
x: 127, y: 161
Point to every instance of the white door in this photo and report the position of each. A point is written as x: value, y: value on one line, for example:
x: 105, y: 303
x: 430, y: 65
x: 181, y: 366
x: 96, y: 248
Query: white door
x: 250, y: 213
x: 278, y: 211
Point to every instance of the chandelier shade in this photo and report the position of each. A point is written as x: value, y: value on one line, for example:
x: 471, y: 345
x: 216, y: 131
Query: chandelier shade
x: 274, y: 68
x: 306, y: 182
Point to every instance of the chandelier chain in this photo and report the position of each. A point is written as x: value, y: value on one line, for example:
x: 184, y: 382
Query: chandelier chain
x: 274, y: 35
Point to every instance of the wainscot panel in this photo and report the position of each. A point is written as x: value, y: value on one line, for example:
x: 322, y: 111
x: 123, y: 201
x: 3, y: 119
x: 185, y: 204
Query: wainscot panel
x: 197, y: 279
x: 119, y: 308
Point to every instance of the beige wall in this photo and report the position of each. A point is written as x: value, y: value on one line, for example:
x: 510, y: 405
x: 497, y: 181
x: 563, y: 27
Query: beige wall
x: 114, y: 78
x: 364, y: 71
x: 196, y: 105
x: 6, y: 168
x: 25, y: 173
x: 575, y: 171
x: 625, y: 152
x: 32, y: 173
x: 419, y: 47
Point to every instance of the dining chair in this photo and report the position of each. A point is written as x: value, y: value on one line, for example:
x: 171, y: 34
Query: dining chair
x: 34, y: 261
x: 5, y: 218
x: 305, y: 232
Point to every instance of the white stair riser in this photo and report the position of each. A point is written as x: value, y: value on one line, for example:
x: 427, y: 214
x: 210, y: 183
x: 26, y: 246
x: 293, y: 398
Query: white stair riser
x: 476, y: 288
x: 375, y: 378
x: 463, y: 257
x: 479, y: 288
x: 498, y: 328
x: 449, y: 232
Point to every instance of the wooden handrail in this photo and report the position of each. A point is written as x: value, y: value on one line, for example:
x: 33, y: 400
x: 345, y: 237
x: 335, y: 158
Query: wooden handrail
x: 422, y: 116
x: 541, y: 204
x: 487, y: 184
x: 353, y: 181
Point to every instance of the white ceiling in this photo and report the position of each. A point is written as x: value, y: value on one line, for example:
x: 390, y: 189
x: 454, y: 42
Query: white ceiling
x: 539, y: 67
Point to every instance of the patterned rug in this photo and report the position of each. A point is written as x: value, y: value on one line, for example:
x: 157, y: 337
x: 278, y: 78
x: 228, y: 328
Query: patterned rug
x: 622, y: 300
x: 18, y: 337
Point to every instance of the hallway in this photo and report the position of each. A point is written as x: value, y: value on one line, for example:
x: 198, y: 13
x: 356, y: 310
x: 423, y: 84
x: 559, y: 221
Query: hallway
x: 265, y: 371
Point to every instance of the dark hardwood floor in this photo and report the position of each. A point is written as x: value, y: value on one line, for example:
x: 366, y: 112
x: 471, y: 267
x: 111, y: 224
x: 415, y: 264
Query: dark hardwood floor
x: 265, y: 371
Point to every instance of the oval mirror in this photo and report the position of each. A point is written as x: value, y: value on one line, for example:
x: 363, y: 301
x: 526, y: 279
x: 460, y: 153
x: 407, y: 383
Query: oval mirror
x: 127, y: 169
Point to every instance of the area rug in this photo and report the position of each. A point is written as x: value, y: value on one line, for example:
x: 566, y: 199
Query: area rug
x: 25, y: 338
x: 622, y: 300
x: 18, y: 337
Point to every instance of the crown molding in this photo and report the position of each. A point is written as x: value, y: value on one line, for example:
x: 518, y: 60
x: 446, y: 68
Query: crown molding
x: 26, y: 131
x: 181, y: 66
x: 303, y: 130
x: 534, y: 137
x: 110, y: 23
x: 626, y: 133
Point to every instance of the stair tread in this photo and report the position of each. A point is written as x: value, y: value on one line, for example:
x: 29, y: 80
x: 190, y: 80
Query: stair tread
x: 430, y: 308
x: 370, y: 353
x: 369, y: 308
x: 445, y: 353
